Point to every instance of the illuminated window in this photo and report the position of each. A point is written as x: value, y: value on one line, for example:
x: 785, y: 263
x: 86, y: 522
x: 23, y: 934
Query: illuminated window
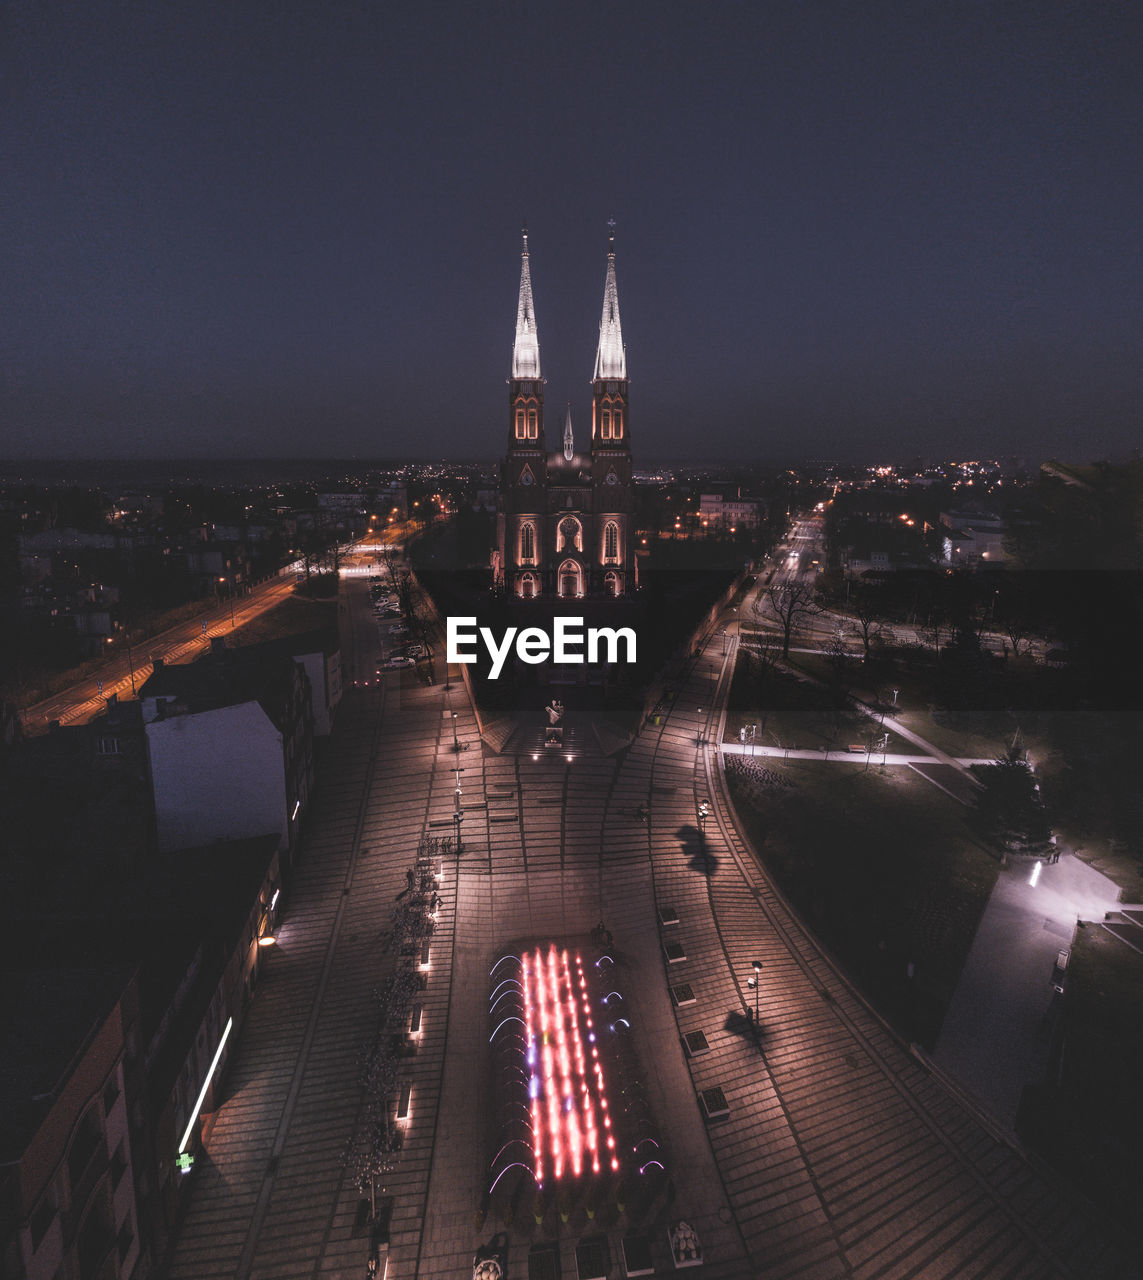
x: 605, y: 424
x: 611, y: 543
x: 520, y: 429
x: 617, y: 424
x: 569, y: 533
x: 532, y: 424
x: 528, y: 543
x: 611, y: 582
x: 526, y: 586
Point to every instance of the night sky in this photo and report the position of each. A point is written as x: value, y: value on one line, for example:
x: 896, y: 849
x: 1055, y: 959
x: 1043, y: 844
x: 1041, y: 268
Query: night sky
x: 843, y: 229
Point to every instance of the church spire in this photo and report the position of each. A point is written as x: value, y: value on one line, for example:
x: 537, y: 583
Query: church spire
x: 610, y: 356
x: 526, y: 350
x: 569, y: 439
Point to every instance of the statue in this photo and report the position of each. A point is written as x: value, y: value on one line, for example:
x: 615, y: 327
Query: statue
x: 555, y: 712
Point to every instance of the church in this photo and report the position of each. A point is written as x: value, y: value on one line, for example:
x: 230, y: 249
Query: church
x: 565, y: 520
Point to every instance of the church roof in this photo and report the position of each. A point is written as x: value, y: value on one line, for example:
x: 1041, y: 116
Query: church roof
x: 610, y: 356
x: 526, y: 350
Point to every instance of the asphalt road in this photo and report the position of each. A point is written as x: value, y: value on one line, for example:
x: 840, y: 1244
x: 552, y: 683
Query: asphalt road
x: 124, y: 673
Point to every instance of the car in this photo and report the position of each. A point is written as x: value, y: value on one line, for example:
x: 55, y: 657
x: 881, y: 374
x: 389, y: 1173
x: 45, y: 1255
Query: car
x: 413, y: 650
x: 397, y: 660
x: 398, y: 629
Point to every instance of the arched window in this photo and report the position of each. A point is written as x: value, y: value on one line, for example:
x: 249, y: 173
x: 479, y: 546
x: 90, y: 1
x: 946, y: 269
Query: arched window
x: 605, y: 424
x: 569, y: 533
x: 527, y: 543
x: 526, y: 586
x: 611, y: 543
x: 617, y: 424
x: 570, y: 580
x: 611, y: 582
x: 531, y: 424
x: 520, y: 428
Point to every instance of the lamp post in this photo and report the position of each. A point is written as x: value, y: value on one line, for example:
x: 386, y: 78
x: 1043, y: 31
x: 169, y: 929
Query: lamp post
x: 455, y: 742
x: 703, y: 814
x: 756, y: 965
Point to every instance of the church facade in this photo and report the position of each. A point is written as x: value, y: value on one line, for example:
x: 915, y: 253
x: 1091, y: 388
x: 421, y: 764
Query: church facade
x: 565, y: 522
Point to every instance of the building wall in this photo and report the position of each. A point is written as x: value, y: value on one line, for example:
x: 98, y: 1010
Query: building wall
x: 324, y: 671
x: 73, y: 1205
x: 175, y: 1103
x: 217, y: 775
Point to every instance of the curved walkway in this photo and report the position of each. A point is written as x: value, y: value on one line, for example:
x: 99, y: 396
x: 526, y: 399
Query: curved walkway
x: 842, y: 1155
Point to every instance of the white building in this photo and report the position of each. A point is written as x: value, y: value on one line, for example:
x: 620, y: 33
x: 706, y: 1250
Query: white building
x: 229, y: 746
x: 717, y: 510
x: 973, y: 536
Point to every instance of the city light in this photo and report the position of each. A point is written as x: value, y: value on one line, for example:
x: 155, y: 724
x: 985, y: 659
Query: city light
x: 205, y: 1086
x: 570, y: 1119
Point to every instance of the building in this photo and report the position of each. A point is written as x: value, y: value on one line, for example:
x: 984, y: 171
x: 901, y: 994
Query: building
x: 566, y: 516
x: 124, y: 999
x: 230, y: 746
x: 717, y: 511
x: 973, y: 536
x: 67, y: 1186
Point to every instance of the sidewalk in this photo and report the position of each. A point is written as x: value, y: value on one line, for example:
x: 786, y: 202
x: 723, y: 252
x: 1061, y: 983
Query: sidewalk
x: 995, y: 1037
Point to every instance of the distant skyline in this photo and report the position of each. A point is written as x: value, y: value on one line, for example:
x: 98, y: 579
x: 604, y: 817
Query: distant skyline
x: 842, y: 231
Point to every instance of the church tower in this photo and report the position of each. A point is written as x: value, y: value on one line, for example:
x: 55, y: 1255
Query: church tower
x: 565, y: 524
x: 614, y: 504
x: 524, y: 470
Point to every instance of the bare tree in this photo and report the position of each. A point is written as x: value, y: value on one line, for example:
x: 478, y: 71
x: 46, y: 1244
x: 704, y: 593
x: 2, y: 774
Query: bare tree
x: 791, y: 601
x: 866, y: 625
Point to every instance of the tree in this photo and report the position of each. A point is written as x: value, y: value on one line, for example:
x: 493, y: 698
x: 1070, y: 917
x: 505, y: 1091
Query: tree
x: 791, y: 601
x: 1009, y: 805
x: 866, y: 623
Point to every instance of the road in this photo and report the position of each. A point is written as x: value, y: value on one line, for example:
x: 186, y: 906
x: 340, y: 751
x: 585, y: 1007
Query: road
x: 842, y: 1155
x: 124, y: 673
x: 795, y: 556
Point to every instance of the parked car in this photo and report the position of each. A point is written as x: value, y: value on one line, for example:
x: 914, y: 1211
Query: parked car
x: 397, y: 660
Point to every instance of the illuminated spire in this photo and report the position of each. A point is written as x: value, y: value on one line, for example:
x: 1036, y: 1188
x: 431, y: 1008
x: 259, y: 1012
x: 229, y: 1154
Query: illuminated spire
x: 526, y: 351
x: 610, y: 357
x: 569, y: 440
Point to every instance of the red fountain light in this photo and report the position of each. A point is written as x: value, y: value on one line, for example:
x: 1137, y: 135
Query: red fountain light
x: 566, y: 1093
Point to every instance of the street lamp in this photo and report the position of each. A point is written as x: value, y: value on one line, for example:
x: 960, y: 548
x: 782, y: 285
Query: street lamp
x: 703, y: 814
x: 753, y: 983
x: 130, y: 661
x: 455, y: 742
